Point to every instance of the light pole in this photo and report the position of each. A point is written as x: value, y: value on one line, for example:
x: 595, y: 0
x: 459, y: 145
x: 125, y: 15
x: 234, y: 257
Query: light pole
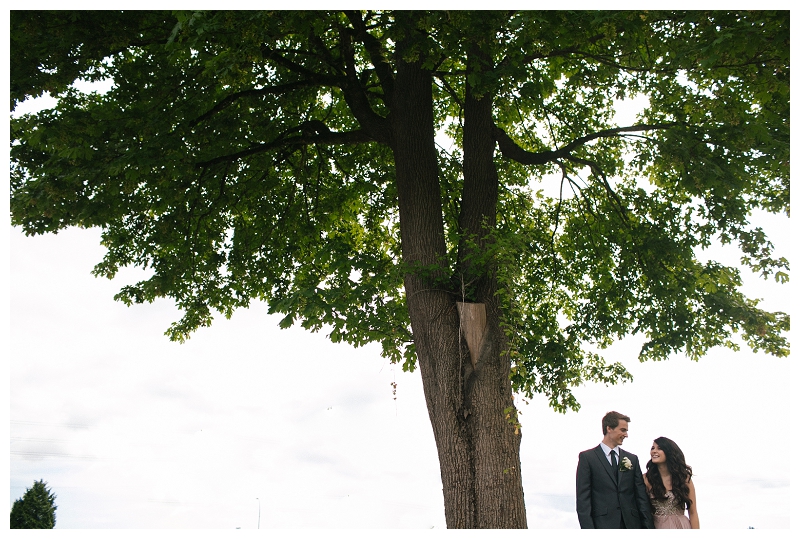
x: 259, y: 514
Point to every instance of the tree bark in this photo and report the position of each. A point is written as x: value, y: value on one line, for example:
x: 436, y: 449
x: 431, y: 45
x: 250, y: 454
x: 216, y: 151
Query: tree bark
x: 478, y: 446
x: 434, y: 320
x: 492, y: 424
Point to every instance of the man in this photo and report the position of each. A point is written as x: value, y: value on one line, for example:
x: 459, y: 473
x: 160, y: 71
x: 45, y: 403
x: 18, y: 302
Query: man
x: 610, y: 490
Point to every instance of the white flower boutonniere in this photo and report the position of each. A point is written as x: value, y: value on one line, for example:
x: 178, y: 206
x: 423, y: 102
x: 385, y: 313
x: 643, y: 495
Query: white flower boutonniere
x: 625, y: 464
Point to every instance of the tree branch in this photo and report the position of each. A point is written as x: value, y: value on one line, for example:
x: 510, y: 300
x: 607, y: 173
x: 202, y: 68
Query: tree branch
x: 558, y: 52
x: 311, y: 132
x: 511, y: 150
x: 354, y: 94
x: 382, y: 66
x: 279, y: 89
x: 356, y: 97
x: 312, y: 76
x: 452, y: 92
x: 598, y: 171
x: 614, y: 131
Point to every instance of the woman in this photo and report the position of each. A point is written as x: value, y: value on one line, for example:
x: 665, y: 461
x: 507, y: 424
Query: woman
x: 669, y: 484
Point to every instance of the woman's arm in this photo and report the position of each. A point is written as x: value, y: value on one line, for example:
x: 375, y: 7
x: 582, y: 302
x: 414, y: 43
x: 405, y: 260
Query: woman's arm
x: 694, y: 520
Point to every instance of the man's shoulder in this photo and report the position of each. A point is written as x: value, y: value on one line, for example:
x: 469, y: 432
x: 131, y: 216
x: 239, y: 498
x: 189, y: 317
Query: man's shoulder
x: 588, y: 451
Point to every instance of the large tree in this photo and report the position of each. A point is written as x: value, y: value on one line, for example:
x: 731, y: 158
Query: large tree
x: 453, y: 185
x: 36, y: 509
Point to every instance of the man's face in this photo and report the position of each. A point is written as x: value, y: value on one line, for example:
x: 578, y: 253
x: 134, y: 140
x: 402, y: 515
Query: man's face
x: 616, y: 436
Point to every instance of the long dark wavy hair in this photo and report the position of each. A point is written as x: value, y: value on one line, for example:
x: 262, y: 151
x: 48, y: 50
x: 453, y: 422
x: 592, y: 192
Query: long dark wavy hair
x: 678, y: 469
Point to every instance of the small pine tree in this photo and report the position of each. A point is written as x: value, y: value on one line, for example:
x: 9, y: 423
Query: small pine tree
x: 36, y: 509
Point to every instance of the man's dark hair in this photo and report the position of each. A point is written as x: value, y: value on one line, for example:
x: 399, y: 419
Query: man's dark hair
x: 611, y: 419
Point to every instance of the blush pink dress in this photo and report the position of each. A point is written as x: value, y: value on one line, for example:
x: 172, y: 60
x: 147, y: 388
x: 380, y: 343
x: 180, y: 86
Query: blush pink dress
x: 667, y: 515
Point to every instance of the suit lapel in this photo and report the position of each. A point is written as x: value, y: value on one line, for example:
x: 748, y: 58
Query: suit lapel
x: 601, y: 456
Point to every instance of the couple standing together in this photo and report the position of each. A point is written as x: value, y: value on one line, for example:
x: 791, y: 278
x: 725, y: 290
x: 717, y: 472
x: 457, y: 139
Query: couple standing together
x: 612, y: 492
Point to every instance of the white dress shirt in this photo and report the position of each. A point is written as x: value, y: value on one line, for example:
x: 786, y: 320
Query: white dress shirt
x: 607, y: 452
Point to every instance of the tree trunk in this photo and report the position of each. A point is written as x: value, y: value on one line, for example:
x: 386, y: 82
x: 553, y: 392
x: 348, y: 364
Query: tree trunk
x: 478, y: 445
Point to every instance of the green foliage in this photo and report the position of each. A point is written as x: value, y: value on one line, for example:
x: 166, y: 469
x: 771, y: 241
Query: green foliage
x: 227, y: 157
x: 36, y: 509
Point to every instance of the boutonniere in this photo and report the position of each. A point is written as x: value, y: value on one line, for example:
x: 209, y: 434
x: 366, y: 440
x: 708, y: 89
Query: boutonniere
x: 625, y: 464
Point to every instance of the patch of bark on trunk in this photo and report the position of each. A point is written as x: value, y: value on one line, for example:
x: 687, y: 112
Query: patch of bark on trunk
x: 478, y: 445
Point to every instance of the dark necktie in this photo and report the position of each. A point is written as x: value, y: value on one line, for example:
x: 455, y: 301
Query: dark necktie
x: 614, y: 466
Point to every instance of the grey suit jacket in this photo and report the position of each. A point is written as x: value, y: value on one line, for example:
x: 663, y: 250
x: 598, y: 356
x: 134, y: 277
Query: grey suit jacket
x: 601, y: 501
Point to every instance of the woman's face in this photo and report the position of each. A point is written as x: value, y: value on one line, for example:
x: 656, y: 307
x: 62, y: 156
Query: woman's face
x: 657, y: 455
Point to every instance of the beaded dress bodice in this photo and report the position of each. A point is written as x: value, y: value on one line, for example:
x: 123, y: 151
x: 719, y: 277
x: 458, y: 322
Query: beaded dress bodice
x: 665, y: 508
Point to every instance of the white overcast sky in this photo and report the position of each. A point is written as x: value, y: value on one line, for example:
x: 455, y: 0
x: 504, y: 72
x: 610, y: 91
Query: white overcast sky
x: 133, y: 431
